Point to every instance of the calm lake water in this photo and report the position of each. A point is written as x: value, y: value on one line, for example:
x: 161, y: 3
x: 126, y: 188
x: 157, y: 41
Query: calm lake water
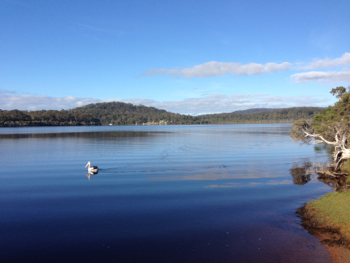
x: 216, y: 193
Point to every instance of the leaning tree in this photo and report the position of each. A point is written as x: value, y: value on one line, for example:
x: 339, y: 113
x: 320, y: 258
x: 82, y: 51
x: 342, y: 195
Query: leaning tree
x: 330, y: 126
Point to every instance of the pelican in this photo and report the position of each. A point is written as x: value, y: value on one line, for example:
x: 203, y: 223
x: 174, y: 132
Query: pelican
x: 91, y: 169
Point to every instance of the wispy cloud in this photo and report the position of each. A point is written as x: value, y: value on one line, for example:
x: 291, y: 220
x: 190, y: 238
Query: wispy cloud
x: 344, y: 60
x: 97, y: 32
x: 10, y: 101
x: 324, y: 76
x: 216, y: 103
x: 228, y: 103
x: 7, y: 91
x: 214, y: 68
x: 321, y: 76
x: 207, y: 104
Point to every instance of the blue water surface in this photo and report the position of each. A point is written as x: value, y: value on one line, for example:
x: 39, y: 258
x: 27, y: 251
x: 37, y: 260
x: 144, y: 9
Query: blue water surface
x: 207, y: 193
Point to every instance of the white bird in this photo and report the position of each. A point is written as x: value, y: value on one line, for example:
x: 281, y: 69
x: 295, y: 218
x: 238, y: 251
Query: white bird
x: 91, y: 169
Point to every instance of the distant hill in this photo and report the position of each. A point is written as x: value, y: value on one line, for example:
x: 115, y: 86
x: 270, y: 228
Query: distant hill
x: 119, y: 113
x: 254, y: 110
x: 15, y: 118
x: 262, y: 115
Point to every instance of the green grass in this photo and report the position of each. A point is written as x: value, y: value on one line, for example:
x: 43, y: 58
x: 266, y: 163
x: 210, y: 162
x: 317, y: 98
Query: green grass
x: 333, y: 212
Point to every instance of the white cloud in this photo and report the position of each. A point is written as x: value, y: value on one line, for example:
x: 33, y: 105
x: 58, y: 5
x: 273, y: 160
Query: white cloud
x: 214, y: 68
x: 344, y: 60
x: 209, y: 104
x: 228, y: 103
x: 32, y: 102
x: 202, y: 105
x: 321, y: 76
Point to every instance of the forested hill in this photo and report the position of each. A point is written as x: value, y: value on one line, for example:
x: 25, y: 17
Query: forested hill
x: 119, y: 113
x: 15, y: 118
x: 263, y: 116
x: 254, y: 110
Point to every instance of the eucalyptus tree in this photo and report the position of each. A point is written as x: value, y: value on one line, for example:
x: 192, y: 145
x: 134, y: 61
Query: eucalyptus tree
x: 330, y: 126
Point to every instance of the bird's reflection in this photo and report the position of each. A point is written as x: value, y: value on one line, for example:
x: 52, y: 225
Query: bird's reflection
x: 90, y: 174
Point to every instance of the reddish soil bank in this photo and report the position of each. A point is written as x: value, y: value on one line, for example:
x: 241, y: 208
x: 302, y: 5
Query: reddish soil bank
x: 337, y: 245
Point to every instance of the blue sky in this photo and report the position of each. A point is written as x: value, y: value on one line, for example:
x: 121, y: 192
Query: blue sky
x: 189, y: 57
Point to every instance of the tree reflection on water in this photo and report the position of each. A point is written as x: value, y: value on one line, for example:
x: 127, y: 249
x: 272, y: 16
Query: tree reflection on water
x: 307, y: 171
x: 300, y: 173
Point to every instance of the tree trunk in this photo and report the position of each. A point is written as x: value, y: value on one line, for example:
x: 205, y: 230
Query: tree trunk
x: 341, y: 153
x: 339, y: 157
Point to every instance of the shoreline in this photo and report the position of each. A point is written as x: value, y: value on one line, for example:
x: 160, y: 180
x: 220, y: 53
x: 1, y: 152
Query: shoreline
x: 173, y: 124
x: 314, y: 225
x: 328, y: 219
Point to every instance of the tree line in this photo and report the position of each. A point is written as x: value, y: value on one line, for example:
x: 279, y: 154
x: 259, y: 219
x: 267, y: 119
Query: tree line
x: 14, y: 118
x: 119, y: 113
x: 259, y: 116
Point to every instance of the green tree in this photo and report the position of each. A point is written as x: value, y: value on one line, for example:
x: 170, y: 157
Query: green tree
x: 330, y: 126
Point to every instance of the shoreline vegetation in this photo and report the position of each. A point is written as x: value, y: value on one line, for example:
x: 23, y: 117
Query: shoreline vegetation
x: 119, y: 113
x: 328, y: 218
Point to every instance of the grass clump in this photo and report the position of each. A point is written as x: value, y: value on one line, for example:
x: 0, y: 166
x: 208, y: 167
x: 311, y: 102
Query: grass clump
x: 332, y: 212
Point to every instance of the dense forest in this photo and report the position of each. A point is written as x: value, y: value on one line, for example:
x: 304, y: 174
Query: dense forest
x: 46, y: 118
x: 119, y: 113
x: 261, y: 116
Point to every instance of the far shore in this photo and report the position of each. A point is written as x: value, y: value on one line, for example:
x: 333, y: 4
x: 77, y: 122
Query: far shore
x: 196, y: 124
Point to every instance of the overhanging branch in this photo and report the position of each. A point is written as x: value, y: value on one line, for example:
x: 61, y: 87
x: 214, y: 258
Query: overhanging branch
x: 307, y: 134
